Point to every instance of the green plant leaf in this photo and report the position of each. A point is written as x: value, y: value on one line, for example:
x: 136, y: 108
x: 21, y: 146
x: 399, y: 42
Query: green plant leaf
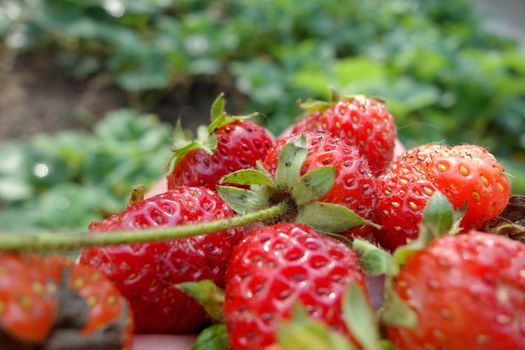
x: 217, y: 108
x: 248, y: 177
x: 375, y: 260
x: 208, y: 294
x: 242, y: 200
x: 313, y: 185
x: 330, y: 217
x: 360, y: 318
x: 305, y: 333
x: 215, y: 337
x: 396, y: 312
x: 312, y: 106
x: 291, y: 159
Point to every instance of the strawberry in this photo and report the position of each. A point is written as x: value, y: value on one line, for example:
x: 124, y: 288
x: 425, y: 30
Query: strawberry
x: 468, y: 293
x: 229, y: 144
x: 466, y: 175
x: 354, y: 186
x: 363, y: 122
x: 147, y: 273
x: 50, y: 303
x: 276, y: 267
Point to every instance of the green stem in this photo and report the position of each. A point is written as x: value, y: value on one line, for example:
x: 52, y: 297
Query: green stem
x: 71, y: 241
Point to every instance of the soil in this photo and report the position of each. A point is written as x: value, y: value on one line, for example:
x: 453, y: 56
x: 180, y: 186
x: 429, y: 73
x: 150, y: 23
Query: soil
x: 37, y: 95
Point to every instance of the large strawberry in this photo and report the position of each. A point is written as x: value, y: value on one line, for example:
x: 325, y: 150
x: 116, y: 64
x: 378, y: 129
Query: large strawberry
x: 50, y: 303
x: 277, y: 267
x: 147, y: 273
x: 467, y: 292
x: 468, y: 176
x: 363, y: 122
x: 227, y: 145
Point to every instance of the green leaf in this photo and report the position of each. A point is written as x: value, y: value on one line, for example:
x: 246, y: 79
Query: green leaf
x: 225, y: 119
x: 217, y: 108
x: 314, y: 185
x: 374, y: 260
x: 312, y: 106
x: 396, y: 312
x: 360, y: 318
x: 439, y: 218
x: 208, y: 294
x: 305, y: 333
x: 291, y: 160
x: 248, y: 177
x: 242, y: 200
x: 330, y: 217
x: 438, y: 214
x: 215, y: 337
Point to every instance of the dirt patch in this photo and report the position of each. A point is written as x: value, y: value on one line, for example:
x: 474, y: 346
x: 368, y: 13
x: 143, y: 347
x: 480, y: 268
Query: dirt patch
x: 37, y: 95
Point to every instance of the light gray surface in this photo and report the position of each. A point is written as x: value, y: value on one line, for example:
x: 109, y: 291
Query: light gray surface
x: 506, y: 17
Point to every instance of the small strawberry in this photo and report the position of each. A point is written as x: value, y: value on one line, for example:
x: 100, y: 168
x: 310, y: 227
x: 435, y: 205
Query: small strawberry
x: 277, y: 267
x: 363, y: 122
x: 50, y: 303
x: 227, y: 145
x: 147, y: 273
x: 467, y: 175
x: 353, y: 186
x: 467, y: 292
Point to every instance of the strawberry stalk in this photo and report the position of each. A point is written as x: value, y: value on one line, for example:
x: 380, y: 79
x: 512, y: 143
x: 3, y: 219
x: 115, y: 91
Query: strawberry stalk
x: 71, y: 241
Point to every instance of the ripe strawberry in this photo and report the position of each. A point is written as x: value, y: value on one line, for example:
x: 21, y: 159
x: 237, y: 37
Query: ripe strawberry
x: 464, y: 174
x: 354, y: 186
x: 147, y: 273
x: 363, y: 122
x: 237, y: 144
x: 50, y: 303
x: 278, y: 266
x: 468, y: 293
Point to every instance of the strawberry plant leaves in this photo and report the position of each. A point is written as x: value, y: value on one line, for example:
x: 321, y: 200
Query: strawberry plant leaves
x: 360, y: 318
x: 396, y: 312
x: 291, y: 159
x: 208, y: 294
x: 313, y: 185
x: 242, y: 200
x: 311, y: 106
x: 374, y: 260
x: 248, y: 177
x: 305, y: 333
x: 214, y: 337
x: 328, y: 217
x: 217, y: 108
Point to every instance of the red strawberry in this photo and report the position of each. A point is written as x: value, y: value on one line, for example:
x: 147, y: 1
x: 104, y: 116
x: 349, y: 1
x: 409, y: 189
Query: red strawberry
x: 362, y: 122
x: 50, y: 303
x: 464, y: 174
x: 147, y: 273
x: 237, y: 144
x: 354, y: 186
x: 274, y: 268
x: 468, y: 292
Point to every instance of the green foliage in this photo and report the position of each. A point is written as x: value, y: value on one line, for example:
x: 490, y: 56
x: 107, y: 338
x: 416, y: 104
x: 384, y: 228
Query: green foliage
x: 72, y: 178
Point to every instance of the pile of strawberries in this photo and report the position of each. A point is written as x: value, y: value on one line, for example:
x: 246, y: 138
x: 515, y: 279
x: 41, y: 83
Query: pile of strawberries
x: 302, y: 278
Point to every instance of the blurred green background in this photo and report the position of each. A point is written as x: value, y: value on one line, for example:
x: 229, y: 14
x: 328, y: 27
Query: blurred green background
x: 444, y: 75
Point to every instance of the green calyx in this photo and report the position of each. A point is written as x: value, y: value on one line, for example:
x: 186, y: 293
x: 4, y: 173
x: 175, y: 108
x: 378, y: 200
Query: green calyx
x: 184, y: 141
x: 311, y: 106
x: 208, y: 295
x: 300, y: 192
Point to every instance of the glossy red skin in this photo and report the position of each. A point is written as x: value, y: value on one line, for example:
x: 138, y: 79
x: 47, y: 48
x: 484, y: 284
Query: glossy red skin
x: 147, y: 273
x: 354, y: 186
x: 274, y: 268
x: 240, y: 145
x: 468, y: 292
x: 363, y: 123
x: 464, y: 174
